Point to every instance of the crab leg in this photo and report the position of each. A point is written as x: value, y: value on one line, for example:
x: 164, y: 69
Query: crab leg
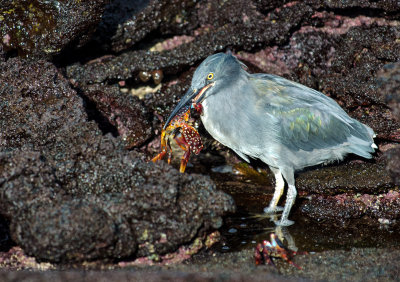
x: 160, y: 156
x: 180, y: 140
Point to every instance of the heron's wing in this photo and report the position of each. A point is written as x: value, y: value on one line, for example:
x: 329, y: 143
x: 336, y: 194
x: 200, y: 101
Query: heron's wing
x: 304, y: 118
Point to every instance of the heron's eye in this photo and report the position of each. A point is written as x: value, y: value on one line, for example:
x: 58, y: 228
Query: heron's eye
x: 210, y: 76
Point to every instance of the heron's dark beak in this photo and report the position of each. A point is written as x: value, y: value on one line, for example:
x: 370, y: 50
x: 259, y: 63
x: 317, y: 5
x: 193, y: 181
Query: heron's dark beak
x: 192, y: 96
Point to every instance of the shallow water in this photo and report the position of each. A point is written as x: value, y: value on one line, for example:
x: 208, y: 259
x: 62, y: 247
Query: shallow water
x: 249, y: 225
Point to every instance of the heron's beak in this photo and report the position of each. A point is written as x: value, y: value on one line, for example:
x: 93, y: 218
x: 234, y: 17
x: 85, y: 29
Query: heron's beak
x: 192, y: 96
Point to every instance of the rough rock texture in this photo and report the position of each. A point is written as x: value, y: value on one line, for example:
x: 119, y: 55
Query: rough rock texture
x: 124, y: 23
x: 384, y: 208
x: 205, y: 44
x: 43, y: 28
x: 369, y: 178
x: 389, y: 82
x: 72, y: 194
x: 110, y: 210
x: 388, y: 6
x: 393, y: 166
x: 150, y: 276
x: 35, y: 103
x: 125, y: 112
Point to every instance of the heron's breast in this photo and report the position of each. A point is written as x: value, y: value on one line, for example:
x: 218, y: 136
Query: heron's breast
x: 218, y: 124
x: 227, y: 123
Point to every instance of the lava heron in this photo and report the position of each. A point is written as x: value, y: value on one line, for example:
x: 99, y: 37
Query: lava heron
x: 285, y: 124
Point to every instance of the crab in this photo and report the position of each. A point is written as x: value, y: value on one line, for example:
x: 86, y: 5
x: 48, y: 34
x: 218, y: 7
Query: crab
x: 265, y: 251
x: 184, y: 134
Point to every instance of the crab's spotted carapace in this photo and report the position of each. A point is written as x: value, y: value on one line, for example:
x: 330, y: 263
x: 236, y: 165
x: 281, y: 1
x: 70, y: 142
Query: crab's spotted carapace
x: 184, y: 134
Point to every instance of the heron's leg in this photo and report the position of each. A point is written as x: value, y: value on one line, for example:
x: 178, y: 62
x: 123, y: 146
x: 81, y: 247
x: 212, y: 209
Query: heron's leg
x: 279, y: 186
x: 290, y: 198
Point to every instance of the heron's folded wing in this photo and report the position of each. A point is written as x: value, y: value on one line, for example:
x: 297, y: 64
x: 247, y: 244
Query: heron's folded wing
x: 303, y: 118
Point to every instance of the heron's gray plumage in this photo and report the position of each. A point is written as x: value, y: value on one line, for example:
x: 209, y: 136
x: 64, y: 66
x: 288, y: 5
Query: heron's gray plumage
x: 285, y: 124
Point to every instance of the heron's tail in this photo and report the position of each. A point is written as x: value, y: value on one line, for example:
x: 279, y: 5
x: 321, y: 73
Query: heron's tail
x: 362, y: 140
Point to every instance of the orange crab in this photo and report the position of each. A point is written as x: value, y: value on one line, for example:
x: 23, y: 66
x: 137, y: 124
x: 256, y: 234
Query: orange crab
x: 185, y: 135
x: 265, y: 251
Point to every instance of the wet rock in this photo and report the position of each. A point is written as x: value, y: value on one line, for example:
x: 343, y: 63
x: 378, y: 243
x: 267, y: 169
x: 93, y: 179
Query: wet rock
x: 125, y: 112
x: 43, y: 28
x: 383, y: 208
x: 345, y: 178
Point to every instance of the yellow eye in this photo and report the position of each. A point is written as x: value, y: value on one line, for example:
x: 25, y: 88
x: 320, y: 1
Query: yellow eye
x: 210, y: 76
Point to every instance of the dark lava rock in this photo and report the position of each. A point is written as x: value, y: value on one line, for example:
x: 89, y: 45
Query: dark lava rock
x: 35, y: 103
x: 124, y: 23
x: 2, y: 54
x: 393, y: 165
x: 384, y: 7
x: 127, y: 203
x: 164, y: 100
x: 345, y: 178
x: 389, y: 82
x: 384, y: 208
x: 124, y: 111
x: 276, y: 30
x: 141, y: 275
x: 5, y: 238
x: 72, y: 193
x: 43, y: 28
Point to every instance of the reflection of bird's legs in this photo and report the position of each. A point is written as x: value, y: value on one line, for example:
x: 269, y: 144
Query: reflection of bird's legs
x: 279, y: 186
x: 283, y: 234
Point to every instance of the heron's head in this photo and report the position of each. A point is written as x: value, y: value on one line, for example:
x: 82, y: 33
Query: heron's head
x: 212, y: 77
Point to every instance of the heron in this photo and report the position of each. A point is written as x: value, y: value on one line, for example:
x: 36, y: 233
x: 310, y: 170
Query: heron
x: 286, y: 125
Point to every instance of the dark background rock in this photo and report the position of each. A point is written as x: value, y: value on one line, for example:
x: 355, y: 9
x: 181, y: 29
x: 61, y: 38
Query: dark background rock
x: 389, y: 82
x: 45, y: 28
x: 125, y: 23
x: 125, y: 112
x: 36, y: 100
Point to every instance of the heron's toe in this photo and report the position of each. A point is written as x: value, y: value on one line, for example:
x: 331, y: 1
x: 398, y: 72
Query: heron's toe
x: 273, y: 210
x: 284, y: 222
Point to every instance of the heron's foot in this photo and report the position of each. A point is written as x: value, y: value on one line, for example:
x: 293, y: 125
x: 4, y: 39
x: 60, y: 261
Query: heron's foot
x: 284, y: 222
x: 273, y: 209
